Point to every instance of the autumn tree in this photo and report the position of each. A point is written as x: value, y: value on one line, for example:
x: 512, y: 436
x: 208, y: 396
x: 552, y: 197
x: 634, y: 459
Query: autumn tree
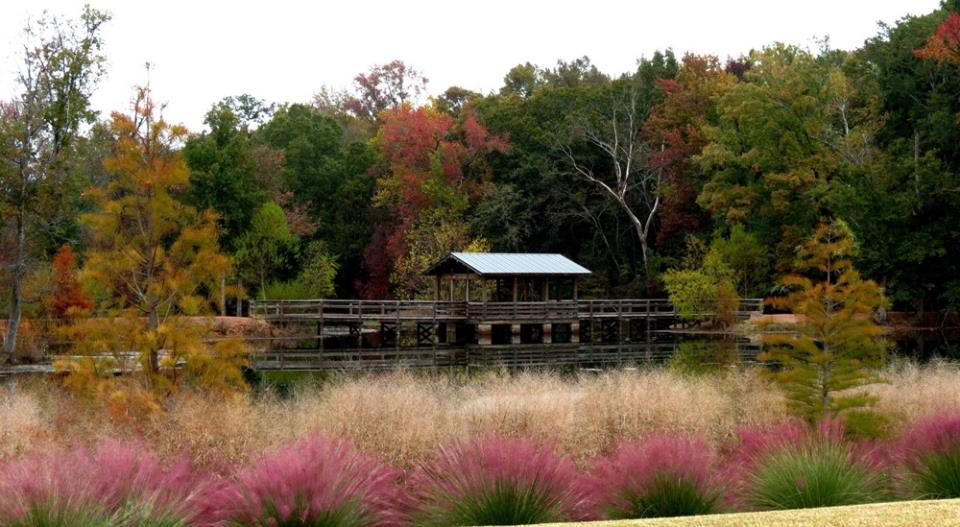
x: 836, y: 346
x: 384, y: 86
x: 68, y: 297
x: 432, y: 236
x: 153, y: 258
x: 677, y: 125
x: 944, y: 45
x: 38, y: 127
x: 777, y: 141
x: 432, y: 161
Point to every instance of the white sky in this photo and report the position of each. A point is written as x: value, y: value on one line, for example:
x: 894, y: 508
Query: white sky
x: 284, y: 51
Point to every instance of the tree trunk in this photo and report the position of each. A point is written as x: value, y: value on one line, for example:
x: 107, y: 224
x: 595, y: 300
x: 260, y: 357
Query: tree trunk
x: 153, y: 359
x: 239, y: 300
x: 642, y: 238
x: 16, y: 293
x: 825, y: 391
x: 223, y: 295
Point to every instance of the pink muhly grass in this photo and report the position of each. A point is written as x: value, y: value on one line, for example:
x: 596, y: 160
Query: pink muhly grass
x: 496, y: 481
x: 113, y: 477
x: 660, y: 476
x: 316, y: 481
x: 794, y: 465
x: 756, y: 442
x: 936, y: 434
x: 930, y: 453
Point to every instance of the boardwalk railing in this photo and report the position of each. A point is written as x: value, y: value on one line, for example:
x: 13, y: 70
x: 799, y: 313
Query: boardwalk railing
x: 428, y: 310
x: 357, y: 309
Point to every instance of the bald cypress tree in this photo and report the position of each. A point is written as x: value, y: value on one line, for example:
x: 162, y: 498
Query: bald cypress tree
x: 836, y: 347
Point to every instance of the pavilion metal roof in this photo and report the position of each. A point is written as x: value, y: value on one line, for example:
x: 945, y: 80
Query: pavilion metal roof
x: 487, y: 264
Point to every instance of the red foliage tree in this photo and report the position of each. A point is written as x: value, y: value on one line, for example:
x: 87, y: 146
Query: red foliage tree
x: 431, y: 160
x: 384, y: 86
x: 68, y: 294
x: 944, y: 45
x: 675, y: 129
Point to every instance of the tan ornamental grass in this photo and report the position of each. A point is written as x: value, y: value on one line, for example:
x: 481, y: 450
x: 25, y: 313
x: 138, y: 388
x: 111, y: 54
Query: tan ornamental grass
x: 403, y: 416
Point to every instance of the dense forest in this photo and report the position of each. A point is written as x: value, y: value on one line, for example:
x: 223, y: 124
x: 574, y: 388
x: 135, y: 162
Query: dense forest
x: 356, y: 192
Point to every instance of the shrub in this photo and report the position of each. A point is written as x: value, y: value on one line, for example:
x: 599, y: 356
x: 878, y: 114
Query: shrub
x: 315, y: 482
x: 496, y: 481
x: 931, y: 455
x: 116, y: 485
x: 291, y: 290
x: 818, y: 473
x: 661, y: 476
x: 703, y: 293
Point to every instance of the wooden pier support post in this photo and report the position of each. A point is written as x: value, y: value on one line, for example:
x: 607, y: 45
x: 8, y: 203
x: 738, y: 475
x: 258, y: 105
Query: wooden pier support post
x: 356, y: 332
x: 484, y: 334
x: 548, y: 333
x: 514, y: 333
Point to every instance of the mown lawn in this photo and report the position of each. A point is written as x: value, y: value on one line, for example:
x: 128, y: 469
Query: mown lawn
x: 932, y: 513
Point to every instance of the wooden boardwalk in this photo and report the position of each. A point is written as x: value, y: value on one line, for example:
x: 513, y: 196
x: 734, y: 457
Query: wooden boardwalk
x: 384, y: 334
x: 476, y: 312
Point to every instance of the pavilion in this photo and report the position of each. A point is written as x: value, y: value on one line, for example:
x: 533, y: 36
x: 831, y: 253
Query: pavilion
x: 506, y: 277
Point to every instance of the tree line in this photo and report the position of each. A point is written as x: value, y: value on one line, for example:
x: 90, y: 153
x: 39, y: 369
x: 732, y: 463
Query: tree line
x: 686, y: 164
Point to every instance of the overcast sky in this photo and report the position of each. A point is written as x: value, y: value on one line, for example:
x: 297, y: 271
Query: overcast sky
x: 284, y: 51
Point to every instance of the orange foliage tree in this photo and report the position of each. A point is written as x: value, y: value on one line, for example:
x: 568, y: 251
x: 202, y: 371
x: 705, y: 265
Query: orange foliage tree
x: 68, y: 296
x: 151, y: 256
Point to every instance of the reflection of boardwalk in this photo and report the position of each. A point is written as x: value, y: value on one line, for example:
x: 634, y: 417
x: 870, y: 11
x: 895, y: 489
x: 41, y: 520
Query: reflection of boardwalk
x: 481, y: 323
x: 509, y: 356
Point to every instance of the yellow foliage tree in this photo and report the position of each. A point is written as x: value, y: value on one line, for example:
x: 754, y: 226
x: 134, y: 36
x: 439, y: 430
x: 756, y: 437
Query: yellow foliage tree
x: 150, y: 256
x: 837, y: 346
x: 433, y: 236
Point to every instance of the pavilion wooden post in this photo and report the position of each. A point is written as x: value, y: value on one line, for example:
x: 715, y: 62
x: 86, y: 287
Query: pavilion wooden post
x: 437, y: 297
x: 514, y: 289
x: 467, y: 292
x: 546, y: 289
x: 575, y: 282
x: 450, y: 298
